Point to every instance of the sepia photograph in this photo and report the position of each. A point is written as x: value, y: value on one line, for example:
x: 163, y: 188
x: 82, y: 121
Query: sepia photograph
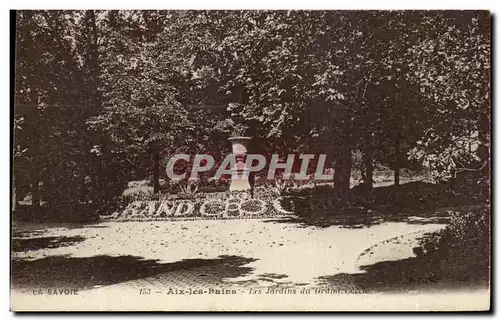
x: 250, y: 160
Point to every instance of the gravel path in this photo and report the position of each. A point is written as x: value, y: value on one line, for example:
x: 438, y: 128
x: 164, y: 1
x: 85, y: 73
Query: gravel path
x: 230, y: 252
x: 111, y: 265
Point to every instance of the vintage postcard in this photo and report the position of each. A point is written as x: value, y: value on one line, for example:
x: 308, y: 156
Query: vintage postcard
x: 251, y: 160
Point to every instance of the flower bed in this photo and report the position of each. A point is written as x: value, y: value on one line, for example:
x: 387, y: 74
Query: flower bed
x: 219, y: 205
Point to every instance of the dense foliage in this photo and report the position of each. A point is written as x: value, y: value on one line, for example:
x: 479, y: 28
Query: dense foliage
x: 105, y: 97
x: 462, y: 250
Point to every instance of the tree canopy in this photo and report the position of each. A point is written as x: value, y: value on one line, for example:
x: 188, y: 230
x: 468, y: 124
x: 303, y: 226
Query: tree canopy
x: 104, y: 97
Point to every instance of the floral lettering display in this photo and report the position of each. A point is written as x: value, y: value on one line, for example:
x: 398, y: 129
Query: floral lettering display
x: 208, y: 208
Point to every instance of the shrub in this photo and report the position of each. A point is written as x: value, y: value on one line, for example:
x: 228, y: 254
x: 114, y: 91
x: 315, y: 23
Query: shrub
x: 138, y: 190
x: 133, y: 184
x: 462, y: 249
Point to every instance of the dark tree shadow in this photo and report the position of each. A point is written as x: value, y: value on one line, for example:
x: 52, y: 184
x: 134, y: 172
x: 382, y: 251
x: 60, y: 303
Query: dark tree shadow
x: 32, y: 244
x: 89, y: 272
x: 414, y: 203
x: 273, y: 276
x: 23, y: 229
x: 28, y: 233
x: 358, y: 218
x: 271, y: 279
x: 413, y: 274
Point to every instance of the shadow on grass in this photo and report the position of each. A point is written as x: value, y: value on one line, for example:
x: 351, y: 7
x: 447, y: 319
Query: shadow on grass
x: 38, y: 243
x: 24, y: 229
x: 413, y: 274
x: 57, y: 211
x: 90, y: 272
x: 269, y: 280
x: 414, y: 203
x: 361, y: 219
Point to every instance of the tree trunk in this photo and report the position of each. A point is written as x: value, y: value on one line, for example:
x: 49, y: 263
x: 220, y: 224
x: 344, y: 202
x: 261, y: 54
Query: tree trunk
x: 95, y: 170
x: 484, y: 136
x: 368, y: 158
x: 397, y: 165
x: 35, y: 197
x: 156, y: 172
x: 342, y: 175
